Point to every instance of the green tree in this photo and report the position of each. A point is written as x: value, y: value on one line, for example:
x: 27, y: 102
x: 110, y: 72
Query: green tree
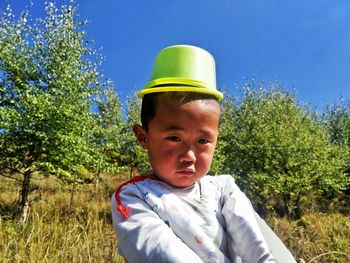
x: 279, y: 151
x: 107, y: 138
x: 134, y: 157
x: 336, y: 119
x: 228, y: 110
x: 48, y: 75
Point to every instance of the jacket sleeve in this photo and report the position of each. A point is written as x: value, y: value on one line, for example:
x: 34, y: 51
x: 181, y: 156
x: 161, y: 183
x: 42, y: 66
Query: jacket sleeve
x: 143, y: 236
x: 243, y: 233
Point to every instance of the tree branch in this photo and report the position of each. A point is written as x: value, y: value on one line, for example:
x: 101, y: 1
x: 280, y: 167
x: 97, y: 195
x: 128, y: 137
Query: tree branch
x: 11, y: 177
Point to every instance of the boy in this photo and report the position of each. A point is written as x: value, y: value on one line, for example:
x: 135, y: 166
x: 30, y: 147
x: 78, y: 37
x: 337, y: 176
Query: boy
x: 178, y: 213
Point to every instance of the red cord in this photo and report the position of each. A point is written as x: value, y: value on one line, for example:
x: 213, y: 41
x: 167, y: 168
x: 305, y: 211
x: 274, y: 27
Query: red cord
x: 123, y: 210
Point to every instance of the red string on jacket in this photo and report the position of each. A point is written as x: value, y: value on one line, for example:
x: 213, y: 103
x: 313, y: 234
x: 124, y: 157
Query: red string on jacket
x: 123, y: 210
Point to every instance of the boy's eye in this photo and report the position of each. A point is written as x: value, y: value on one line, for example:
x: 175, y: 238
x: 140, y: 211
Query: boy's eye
x: 174, y: 138
x: 203, y: 141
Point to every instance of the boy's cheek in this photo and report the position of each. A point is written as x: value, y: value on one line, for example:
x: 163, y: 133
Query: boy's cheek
x: 208, y: 153
x: 163, y: 154
x: 169, y: 154
x: 205, y: 158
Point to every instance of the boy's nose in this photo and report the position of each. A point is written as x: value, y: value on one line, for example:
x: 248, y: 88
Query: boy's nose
x: 188, y: 155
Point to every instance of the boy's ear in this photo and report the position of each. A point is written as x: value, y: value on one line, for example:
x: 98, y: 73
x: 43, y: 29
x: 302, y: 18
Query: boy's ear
x: 140, y: 135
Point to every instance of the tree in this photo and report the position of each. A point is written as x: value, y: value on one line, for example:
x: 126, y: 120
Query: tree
x: 48, y: 76
x: 219, y: 163
x: 134, y: 156
x: 279, y: 151
x: 336, y: 119
x: 107, y: 138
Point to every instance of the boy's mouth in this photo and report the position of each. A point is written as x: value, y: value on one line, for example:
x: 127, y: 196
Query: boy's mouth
x: 187, y: 171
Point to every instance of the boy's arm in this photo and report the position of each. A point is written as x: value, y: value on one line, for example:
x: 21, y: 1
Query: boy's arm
x: 250, y: 237
x: 243, y: 233
x: 143, y: 236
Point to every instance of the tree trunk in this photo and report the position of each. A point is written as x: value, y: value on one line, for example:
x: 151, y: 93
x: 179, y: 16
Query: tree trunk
x: 71, y: 201
x: 297, y: 211
x: 132, y: 170
x: 25, y: 195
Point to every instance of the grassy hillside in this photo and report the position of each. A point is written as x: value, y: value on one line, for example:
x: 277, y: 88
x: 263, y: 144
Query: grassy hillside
x: 56, y: 232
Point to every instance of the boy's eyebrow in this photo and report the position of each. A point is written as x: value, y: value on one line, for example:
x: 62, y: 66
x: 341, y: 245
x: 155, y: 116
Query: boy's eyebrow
x: 178, y: 128
x: 173, y: 128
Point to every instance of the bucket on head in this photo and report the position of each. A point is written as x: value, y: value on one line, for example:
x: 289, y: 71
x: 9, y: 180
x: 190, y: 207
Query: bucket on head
x: 183, y: 68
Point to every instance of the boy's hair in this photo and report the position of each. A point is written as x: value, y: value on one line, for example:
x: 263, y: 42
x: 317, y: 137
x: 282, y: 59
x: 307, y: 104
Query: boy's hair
x: 150, y: 101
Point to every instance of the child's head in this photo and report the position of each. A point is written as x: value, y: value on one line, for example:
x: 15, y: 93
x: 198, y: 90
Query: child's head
x: 179, y: 130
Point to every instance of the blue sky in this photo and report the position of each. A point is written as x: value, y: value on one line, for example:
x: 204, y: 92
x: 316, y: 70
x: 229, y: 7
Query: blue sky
x: 305, y: 45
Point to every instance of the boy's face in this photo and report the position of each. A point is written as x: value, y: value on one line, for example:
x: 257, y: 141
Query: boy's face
x: 181, y: 140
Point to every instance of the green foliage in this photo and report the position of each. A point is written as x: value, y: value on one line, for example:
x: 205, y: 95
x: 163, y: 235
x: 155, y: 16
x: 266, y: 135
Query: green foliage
x: 337, y: 121
x: 45, y: 91
x: 48, y: 75
x: 133, y: 154
x: 117, y: 148
x: 219, y: 164
x: 279, y: 152
x: 107, y: 136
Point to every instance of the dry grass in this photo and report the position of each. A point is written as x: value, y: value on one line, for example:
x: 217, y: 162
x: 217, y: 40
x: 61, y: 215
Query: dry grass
x: 52, y: 233
x: 55, y: 234
x: 317, y: 237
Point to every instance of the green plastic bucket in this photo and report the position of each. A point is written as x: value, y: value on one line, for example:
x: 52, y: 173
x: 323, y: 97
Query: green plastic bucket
x: 183, y: 68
